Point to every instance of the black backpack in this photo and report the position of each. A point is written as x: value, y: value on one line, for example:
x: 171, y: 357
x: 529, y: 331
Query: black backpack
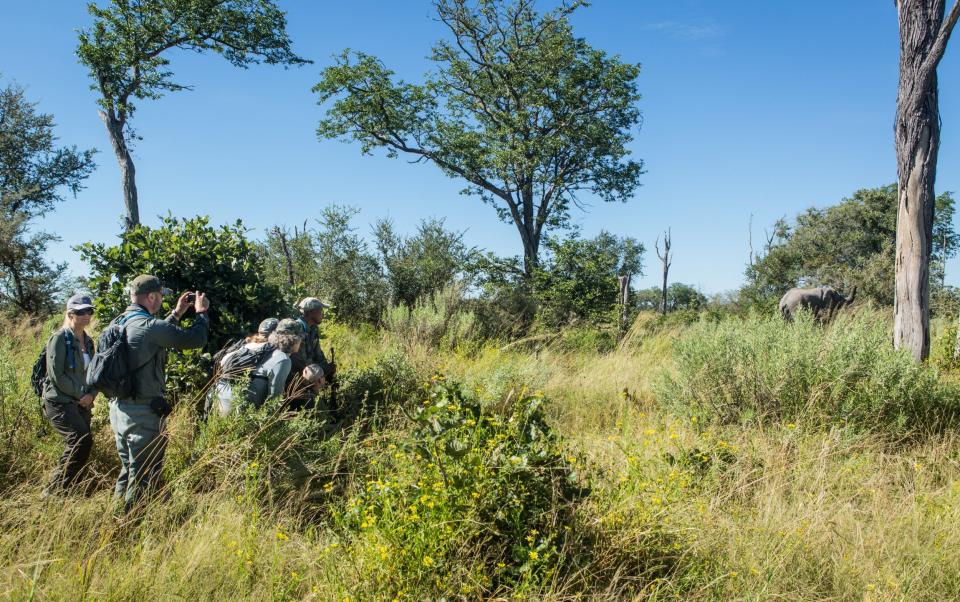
x: 243, y: 360
x: 38, y: 376
x: 109, y: 371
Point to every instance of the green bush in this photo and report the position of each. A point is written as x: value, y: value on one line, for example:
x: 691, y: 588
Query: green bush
x: 468, y: 502
x: 188, y: 254
x: 765, y: 369
x: 440, y: 320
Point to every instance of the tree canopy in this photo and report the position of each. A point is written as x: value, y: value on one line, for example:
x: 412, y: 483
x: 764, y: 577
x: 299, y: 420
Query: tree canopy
x: 35, y: 174
x: 851, y: 243
x: 529, y: 115
x: 127, y: 48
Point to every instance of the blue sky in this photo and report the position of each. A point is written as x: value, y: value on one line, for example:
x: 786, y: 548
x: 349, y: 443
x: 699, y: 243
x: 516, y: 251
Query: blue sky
x: 750, y: 107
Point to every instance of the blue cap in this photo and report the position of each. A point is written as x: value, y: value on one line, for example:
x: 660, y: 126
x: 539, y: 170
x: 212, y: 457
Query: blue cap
x: 79, y: 301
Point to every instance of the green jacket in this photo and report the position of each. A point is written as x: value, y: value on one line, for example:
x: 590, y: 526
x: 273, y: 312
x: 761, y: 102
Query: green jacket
x: 66, y: 375
x: 149, y: 339
x: 309, y: 352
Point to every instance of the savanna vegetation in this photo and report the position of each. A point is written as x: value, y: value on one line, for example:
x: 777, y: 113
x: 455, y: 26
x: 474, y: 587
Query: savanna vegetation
x: 526, y: 427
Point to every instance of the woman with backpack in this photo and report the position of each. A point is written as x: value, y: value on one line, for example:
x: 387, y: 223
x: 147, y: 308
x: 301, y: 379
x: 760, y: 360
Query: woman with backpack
x: 267, y: 362
x: 67, y: 400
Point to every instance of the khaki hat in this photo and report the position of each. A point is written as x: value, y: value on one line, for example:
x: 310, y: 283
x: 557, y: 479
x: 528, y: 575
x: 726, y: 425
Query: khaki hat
x: 310, y: 304
x: 288, y: 326
x: 145, y: 283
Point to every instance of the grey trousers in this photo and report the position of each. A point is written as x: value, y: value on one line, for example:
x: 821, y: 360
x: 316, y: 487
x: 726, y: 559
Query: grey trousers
x: 73, y: 424
x: 141, y: 443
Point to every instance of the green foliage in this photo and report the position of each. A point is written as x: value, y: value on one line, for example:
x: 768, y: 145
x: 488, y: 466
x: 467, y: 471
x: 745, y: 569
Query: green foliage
x: 34, y: 175
x: 188, y: 254
x: 332, y: 262
x: 763, y: 369
x: 851, y: 243
x: 442, y: 320
x: 528, y: 114
x: 580, y: 278
x: 126, y: 49
x: 421, y: 265
x: 679, y: 296
x: 494, y: 485
x: 347, y: 274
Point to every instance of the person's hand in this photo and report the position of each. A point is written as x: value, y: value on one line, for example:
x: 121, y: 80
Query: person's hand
x: 183, y: 304
x: 201, y: 304
x: 86, y: 401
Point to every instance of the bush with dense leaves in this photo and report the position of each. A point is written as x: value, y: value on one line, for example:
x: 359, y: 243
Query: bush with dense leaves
x: 188, y: 254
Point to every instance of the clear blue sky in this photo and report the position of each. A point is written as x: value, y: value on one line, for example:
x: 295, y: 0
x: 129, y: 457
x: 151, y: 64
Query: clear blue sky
x: 750, y: 107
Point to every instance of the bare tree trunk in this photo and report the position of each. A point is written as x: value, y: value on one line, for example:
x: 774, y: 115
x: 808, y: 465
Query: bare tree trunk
x: 666, y: 261
x: 923, y: 38
x: 956, y: 345
x: 624, y: 302
x: 128, y: 173
x: 282, y: 236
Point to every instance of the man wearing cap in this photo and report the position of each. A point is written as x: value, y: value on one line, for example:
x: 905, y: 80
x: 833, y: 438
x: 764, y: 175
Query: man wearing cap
x: 138, y: 423
x: 310, y: 369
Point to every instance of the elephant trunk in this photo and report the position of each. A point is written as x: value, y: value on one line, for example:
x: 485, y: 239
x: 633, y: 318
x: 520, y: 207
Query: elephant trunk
x: 853, y: 295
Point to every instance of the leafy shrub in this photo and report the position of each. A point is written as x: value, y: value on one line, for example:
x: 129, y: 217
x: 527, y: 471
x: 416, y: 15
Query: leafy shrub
x: 465, y: 481
x: 188, y: 254
x: 578, y: 279
x: 765, y: 369
x: 440, y: 320
x: 424, y: 264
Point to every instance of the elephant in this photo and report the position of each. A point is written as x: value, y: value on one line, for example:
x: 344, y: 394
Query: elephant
x: 823, y: 301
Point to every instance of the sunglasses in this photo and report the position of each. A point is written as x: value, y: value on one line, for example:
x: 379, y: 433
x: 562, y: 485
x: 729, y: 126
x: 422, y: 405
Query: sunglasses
x: 83, y: 312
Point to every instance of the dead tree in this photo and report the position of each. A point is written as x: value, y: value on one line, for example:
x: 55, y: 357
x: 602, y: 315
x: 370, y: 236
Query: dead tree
x: 924, y: 32
x: 666, y: 260
x: 282, y: 237
x: 624, y: 302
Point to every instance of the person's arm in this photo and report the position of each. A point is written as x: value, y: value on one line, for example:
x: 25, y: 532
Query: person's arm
x: 63, y: 381
x: 278, y: 377
x: 167, y: 333
x: 90, y: 350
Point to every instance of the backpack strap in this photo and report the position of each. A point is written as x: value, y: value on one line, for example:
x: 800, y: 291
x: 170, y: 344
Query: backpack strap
x: 68, y: 341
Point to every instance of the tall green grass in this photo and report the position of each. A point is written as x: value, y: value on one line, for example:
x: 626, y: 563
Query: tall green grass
x: 766, y: 369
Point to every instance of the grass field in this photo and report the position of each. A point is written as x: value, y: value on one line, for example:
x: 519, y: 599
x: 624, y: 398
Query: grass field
x: 674, y: 466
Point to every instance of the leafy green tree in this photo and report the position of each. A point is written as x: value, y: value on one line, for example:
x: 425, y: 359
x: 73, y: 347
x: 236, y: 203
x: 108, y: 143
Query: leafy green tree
x: 127, y: 47
x: 529, y: 115
x: 421, y: 265
x: 188, y: 254
x: 348, y: 274
x: 34, y: 176
x: 579, y: 279
x: 851, y: 243
x: 679, y: 296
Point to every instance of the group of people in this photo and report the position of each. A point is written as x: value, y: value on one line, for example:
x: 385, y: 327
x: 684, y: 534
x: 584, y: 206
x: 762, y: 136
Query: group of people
x: 288, y: 362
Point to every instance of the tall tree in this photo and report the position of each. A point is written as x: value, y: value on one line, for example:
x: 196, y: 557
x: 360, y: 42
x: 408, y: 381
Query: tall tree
x: 924, y: 33
x: 126, y: 51
x: 35, y: 174
x: 529, y: 115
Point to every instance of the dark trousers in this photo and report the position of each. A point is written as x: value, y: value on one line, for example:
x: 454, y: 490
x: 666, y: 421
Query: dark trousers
x: 73, y: 424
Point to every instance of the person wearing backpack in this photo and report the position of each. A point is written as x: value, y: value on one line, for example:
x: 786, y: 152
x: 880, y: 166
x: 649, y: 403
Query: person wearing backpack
x: 265, y: 362
x: 67, y: 400
x: 139, y: 421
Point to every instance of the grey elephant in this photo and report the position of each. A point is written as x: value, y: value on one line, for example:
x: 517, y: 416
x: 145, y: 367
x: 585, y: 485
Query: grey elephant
x: 822, y: 301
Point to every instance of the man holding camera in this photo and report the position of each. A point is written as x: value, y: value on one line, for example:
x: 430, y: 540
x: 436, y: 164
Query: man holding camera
x: 139, y: 423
